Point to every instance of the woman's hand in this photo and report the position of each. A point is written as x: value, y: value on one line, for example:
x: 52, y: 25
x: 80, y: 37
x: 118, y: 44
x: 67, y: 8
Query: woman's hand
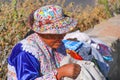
x: 68, y: 70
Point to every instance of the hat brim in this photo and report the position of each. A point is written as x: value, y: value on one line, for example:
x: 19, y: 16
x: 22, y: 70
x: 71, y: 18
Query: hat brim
x: 58, y: 27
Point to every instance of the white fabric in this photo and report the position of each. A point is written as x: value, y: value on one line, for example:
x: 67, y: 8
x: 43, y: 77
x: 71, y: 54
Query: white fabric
x: 77, y: 34
x: 88, y: 70
x: 80, y: 36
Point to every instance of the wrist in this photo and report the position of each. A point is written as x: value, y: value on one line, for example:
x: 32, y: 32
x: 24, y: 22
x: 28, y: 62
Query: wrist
x: 59, y: 74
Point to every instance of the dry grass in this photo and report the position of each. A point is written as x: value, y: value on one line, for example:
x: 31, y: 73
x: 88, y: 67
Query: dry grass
x: 13, y: 22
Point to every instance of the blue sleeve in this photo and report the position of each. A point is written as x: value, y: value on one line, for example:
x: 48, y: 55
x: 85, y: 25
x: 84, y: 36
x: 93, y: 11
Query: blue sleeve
x: 27, y: 66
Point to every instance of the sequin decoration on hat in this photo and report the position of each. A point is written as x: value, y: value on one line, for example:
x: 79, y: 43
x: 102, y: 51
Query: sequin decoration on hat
x: 51, y: 20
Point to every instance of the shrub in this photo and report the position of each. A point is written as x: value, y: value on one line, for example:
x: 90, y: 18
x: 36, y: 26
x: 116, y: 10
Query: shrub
x: 13, y: 22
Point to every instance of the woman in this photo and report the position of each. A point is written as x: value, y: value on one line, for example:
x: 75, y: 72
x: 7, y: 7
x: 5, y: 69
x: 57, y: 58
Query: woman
x: 37, y: 57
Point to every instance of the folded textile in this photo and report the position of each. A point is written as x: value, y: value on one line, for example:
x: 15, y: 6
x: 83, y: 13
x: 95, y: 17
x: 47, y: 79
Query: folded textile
x: 78, y: 50
x: 103, y: 66
x: 72, y: 45
x: 74, y: 55
x: 102, y: 48
x: 93, y: 48
x: 89, y: 70
x: 80, y: 36
x: 85, y: 52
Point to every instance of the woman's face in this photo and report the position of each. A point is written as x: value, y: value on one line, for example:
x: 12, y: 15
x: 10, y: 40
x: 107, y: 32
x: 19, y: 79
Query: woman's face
x: 52, y: 40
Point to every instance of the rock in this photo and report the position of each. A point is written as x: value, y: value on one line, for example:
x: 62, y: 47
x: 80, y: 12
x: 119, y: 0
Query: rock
x: 109, y: 32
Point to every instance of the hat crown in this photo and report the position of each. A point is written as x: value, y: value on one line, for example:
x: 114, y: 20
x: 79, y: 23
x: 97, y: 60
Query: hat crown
x: 50, y: 19
x: 49, y: 12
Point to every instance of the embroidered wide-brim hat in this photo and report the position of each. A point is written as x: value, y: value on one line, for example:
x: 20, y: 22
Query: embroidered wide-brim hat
x: 50, y: 19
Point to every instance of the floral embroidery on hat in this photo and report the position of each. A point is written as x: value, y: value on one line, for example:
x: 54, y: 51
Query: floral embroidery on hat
x: 50, y: 19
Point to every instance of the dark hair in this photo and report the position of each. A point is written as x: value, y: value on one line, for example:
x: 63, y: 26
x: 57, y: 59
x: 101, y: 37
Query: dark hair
x: 29, y: 33
x: 31, y: 19
x: 30, y: 23
x: 65, y: 15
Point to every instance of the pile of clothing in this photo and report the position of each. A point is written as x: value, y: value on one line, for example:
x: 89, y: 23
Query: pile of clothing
x: 84, y: 48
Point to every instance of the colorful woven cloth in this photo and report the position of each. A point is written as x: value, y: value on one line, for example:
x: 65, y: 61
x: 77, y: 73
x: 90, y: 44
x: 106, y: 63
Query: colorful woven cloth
x: 32, y: 59
x: 51, y: 19
x: 72, y: 45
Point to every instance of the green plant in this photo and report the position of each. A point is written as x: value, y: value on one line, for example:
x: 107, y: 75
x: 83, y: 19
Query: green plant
x: 13, y: 22
x: 115, y: 6
x: 106, y: 5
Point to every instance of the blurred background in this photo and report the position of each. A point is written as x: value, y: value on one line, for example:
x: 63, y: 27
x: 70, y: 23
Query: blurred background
x: 14, y: 15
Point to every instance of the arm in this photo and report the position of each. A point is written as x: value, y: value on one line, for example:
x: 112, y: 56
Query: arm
x: 28, y: 68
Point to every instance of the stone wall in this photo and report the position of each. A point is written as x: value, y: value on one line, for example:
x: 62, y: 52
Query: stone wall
x: 109, y: 32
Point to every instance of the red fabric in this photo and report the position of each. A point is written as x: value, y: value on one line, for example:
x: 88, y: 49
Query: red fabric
x: 74, y: 55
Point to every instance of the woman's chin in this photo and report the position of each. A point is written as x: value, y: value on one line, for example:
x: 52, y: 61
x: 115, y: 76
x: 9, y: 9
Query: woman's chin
x: 56, y: 46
